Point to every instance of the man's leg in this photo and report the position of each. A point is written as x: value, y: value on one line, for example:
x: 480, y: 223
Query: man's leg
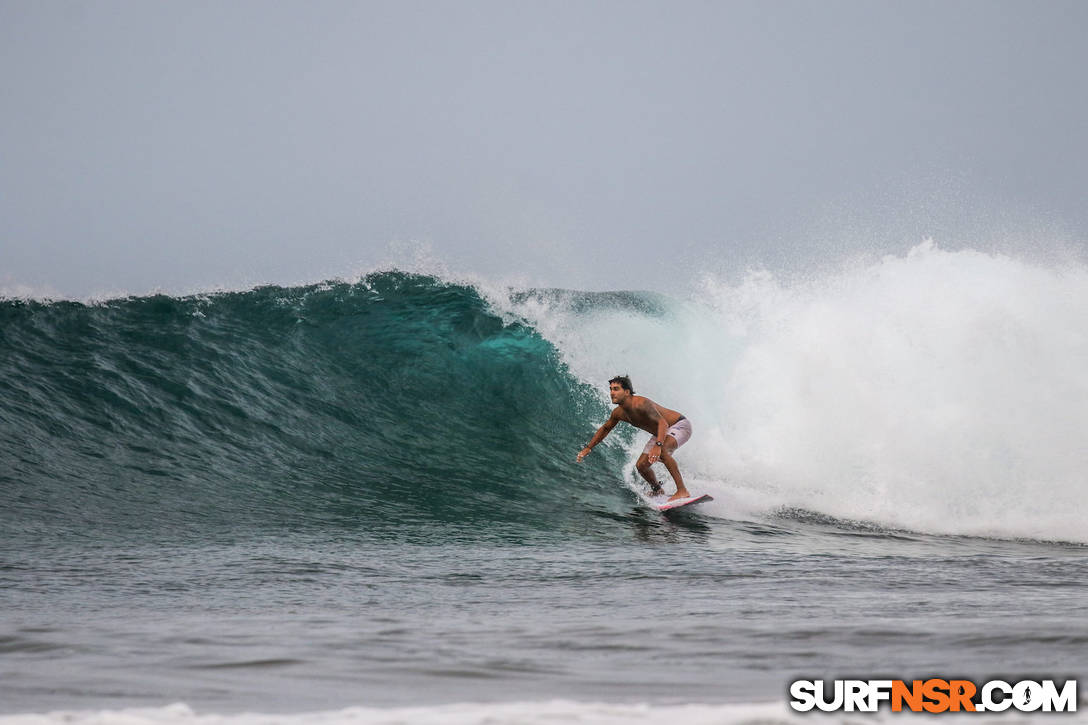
x: 674, y: 470
x: 647, y: 472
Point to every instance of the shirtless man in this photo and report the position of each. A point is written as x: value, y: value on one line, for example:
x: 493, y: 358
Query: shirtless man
x: 669, y: 429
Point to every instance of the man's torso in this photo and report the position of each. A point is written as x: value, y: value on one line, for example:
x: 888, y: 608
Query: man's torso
x: 638, y: 414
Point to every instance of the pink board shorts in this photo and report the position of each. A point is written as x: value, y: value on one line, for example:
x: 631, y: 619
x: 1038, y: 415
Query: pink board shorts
x: 681, y: 432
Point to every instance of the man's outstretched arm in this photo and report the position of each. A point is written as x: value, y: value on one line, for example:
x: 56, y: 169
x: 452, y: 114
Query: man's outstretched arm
x: 599, y: 436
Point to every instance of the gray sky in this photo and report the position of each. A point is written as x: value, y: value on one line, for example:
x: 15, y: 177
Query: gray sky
x: 187, y: 145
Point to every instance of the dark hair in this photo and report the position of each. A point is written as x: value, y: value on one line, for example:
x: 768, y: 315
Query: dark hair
x: 624, y: 381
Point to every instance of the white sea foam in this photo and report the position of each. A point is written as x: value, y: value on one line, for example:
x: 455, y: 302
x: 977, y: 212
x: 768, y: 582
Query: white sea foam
x: 517, y: 713
x: 939, y: 391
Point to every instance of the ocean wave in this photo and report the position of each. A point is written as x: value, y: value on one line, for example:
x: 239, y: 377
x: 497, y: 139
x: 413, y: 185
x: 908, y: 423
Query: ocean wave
x: 396, y: 399
x: 936, y: 392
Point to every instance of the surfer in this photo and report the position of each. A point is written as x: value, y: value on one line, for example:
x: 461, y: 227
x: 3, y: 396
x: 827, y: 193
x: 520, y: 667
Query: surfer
x: 669, y: 431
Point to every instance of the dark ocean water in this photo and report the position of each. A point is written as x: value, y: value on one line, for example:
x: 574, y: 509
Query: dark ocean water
x: 304, y: 499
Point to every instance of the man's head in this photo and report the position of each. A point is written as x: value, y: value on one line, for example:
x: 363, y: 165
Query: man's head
x: 620, y: 388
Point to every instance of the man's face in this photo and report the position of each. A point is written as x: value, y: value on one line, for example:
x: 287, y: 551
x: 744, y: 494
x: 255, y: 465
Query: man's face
x: 617, y: 392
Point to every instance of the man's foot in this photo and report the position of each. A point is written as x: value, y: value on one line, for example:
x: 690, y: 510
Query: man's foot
x: 656, y: 491
x: 679, y: 495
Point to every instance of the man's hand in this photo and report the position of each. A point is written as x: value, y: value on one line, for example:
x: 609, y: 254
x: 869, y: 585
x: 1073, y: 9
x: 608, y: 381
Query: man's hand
x: 583, y: 453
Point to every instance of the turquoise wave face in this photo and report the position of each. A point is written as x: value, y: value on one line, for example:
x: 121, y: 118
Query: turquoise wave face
x: 396, y: 400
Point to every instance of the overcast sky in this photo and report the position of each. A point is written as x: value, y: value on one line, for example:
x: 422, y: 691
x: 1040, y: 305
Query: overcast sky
x: 187, y: 145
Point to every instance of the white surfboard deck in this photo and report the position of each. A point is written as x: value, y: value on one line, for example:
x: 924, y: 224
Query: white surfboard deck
x: 662, y: 503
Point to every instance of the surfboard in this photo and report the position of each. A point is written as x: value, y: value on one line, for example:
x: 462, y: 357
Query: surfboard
x: 662, y: 503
